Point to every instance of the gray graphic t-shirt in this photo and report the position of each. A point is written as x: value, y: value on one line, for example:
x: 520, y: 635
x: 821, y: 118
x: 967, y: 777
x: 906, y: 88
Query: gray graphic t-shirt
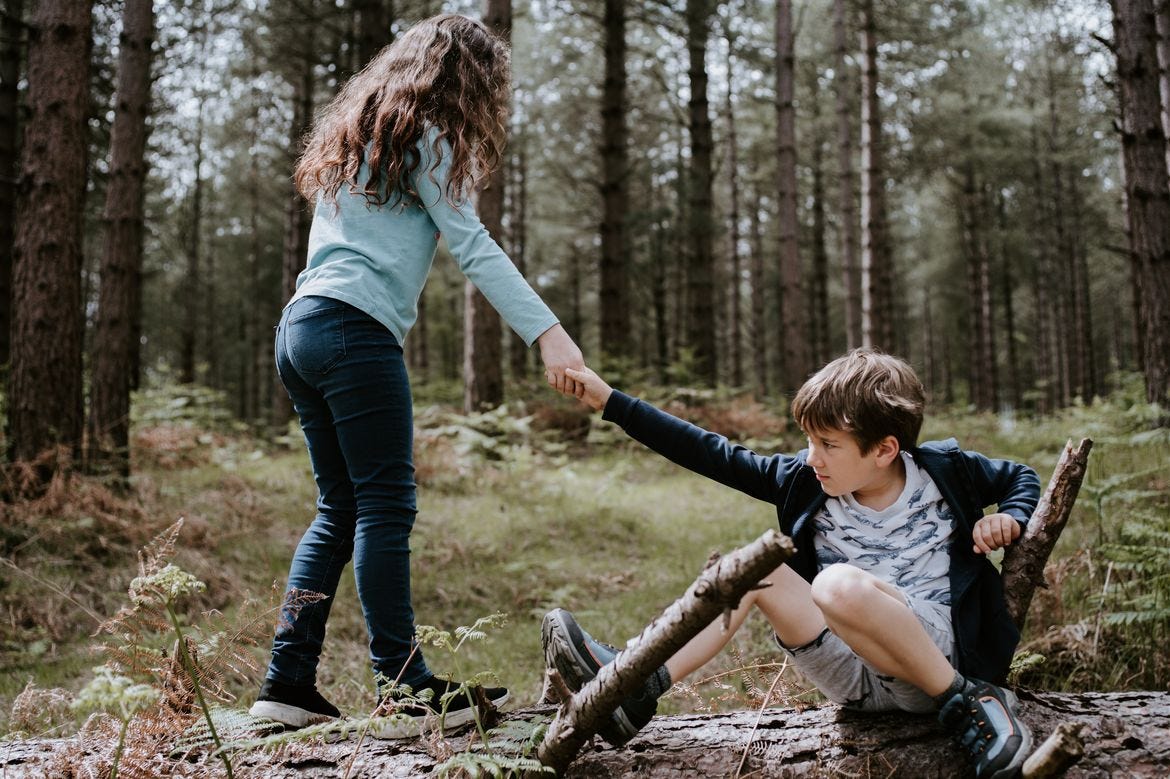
x: 906, y: 544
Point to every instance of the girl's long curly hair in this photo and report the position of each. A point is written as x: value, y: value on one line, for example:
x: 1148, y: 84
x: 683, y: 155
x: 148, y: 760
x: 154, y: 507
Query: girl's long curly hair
x: 449, y: 72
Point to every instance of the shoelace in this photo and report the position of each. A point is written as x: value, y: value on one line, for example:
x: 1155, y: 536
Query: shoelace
x: 976, y: 738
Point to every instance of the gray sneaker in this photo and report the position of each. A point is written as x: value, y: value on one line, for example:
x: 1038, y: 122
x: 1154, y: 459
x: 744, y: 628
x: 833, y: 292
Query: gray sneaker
x: 983, y: 721
x: 578, y: 657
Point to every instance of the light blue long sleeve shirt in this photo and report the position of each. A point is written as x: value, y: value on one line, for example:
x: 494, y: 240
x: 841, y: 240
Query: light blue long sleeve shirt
x: 378, y: 259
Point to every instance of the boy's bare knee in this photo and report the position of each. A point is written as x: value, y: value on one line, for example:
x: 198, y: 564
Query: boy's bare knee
x: 841, y: 588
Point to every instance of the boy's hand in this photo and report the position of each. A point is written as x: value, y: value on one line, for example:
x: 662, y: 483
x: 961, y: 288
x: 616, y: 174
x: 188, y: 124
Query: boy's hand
x: 594, y: 391
x: 994, y: 532
x: 558, y: 351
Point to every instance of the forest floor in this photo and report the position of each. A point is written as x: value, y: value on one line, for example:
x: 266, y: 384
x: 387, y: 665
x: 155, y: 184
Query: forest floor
x: 538, y: 506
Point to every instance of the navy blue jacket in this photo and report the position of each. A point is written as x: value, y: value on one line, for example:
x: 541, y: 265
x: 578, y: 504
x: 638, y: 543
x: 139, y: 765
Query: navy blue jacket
x: 985, y: 637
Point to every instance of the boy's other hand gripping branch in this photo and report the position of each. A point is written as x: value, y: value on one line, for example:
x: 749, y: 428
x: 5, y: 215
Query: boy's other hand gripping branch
x: 593, y: 392
x: 995, y: 531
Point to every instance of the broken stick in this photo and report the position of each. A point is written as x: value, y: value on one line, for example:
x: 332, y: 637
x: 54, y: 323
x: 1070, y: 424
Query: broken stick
x: 720, y: 586
x: 1024, y: 561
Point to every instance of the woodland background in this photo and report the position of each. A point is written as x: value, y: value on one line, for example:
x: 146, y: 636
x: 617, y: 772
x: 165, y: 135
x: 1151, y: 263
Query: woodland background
x: 715, y: 197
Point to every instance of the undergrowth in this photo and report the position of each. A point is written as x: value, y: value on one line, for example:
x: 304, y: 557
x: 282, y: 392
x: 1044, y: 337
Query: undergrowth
x: 536, y: 505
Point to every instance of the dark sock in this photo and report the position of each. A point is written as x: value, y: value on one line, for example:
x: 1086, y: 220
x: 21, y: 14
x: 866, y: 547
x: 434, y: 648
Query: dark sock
x: 957, y: 685
x: 659, y: 682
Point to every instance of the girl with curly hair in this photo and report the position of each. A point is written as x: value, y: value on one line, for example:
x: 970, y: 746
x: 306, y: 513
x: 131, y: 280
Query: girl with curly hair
x: 390, y: 164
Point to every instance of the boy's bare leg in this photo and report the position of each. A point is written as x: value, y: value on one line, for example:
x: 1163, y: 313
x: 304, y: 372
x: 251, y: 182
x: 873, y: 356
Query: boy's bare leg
x: 788, y: 605
x: 873, y: 619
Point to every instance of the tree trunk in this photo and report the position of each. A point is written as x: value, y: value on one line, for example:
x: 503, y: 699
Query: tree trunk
x: 614, y: 297
x: 819, y: 288
x: 45, y: 390
x: 844, y: 93
x: 1162, y: 22
x: 700, y: 317
x: 1146, y: 181
x: 372, y: 20
x: 759, y: 323
x: 981, y: 375
x: 483, y: 374
x: 11, y: 47
x: 191, y: 291
x: 297, y: 220
x: 733, y: 289
x: 793, y: 340
x: 518, y: 245
x: 1087, y: 384
x: 121, y: 269
x: 1041, y: 301
x: 877, y: 305
x: 1008, y: 291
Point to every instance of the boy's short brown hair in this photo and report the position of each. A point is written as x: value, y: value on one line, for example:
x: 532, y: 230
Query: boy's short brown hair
x: 865, y: 393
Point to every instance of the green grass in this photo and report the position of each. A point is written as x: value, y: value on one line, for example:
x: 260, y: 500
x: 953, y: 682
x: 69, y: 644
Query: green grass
x: 604, y: 528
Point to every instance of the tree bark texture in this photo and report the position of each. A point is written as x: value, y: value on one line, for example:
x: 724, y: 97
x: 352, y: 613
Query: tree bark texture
x: 372, y: 20
x: 483, y: 369
x: 735, y: 318
x: 11, y: 48
x: 518, y: 241
x: 759, y: 325
x: 981, y: 365
x: 794, y: 367
x: 719, y: 588
x: 843, y: 88
x: 1044, y: 374
x: 1023, y: 564
x: 121, y: 269
x: 297, y: 219
x: 1162, y: 23
x: 1143, y: 146
x: 615, y: 198
x: 877, y: 277
x: 819, y: 282
x: 700, y: 280
x: 1125, y: 735
x: 45, y: 390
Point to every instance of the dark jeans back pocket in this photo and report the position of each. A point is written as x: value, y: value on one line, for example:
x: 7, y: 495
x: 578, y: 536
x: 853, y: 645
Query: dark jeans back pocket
x: 315, y: 333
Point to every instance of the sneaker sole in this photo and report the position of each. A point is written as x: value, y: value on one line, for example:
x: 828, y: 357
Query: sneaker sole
x: 412, y: 727
x: 292, y: 716
x: 560, y: 652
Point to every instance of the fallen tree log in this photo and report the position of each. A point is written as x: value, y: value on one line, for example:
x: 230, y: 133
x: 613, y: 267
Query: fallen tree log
x: 1128, y: 735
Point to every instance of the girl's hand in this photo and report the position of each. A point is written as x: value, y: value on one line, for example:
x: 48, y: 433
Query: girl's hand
x: 994, y: 532
x: 559, y: 352
x: 594, y: 391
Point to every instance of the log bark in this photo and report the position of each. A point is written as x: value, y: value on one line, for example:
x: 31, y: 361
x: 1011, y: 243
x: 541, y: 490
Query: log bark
x: 718, y: 588
x: 1127, y: 735
x: 1023, y: 564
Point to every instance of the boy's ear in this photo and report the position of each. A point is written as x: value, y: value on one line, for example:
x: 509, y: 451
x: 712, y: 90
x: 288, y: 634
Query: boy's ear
x: 887, y: 450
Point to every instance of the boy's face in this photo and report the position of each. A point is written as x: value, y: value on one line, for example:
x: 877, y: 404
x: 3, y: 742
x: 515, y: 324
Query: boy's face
x: 842, y: 469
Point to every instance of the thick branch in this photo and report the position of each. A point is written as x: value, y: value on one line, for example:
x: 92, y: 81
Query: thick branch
x: 1023, y: 565
x: 718, y: 588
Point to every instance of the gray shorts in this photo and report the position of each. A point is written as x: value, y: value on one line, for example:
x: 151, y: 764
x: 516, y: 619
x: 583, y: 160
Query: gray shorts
x: 846, y: 679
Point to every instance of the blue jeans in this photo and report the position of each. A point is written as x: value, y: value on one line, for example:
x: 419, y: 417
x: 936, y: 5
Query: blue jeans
x: 345, y: 374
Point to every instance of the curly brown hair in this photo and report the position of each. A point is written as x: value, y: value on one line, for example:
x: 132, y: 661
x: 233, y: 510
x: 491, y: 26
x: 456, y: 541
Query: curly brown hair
x: 448, y: 72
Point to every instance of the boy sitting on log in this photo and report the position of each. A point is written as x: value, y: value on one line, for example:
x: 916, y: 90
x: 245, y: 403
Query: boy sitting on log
x: 889, y: 602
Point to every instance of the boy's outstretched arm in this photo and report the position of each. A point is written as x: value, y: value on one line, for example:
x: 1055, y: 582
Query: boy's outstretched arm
x: 690, y: 446
x: 596, y: 392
